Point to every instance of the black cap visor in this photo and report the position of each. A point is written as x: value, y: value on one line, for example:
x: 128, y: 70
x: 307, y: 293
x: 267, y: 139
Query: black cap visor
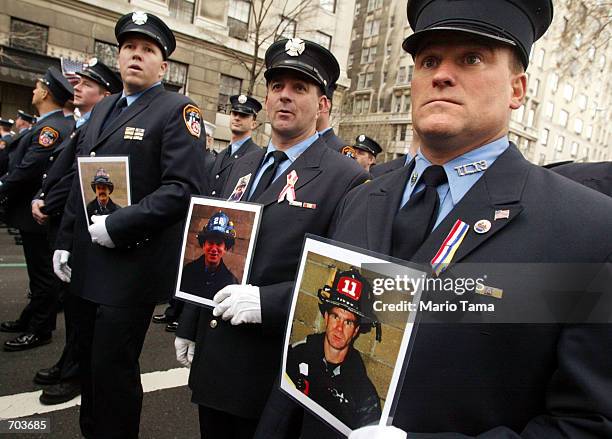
x: 297, y: 66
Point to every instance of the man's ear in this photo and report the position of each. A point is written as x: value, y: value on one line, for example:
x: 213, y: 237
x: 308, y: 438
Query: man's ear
x: 162, y: 70
x: 518, y: 84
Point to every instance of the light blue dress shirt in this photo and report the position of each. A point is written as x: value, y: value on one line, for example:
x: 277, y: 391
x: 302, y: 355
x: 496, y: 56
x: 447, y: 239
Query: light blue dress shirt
x: 134, y: 97
x: 292, y: 153
x: 84, y: 118
x: 234, y: 147
x: 44, y: 116
x: 454, y: 190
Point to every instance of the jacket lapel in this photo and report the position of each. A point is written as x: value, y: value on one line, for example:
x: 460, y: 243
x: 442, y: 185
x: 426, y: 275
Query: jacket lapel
x: 382, y: 208
x: 131, y: 111
x: 248, y: 165
x: 500, y: 188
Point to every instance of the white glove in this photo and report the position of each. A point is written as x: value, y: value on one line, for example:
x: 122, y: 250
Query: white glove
x: 60, y: 265
x: 98, y: 232
x: 378, y: 432
x: 240, y: 303
x: 184, y: 350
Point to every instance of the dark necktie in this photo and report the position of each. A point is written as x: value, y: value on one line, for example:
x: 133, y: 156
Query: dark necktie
x: 115, y: 112
x: 414, y: 222
x: 268, y: 175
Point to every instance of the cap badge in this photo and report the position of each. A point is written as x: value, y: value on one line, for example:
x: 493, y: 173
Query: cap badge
x: 361, y: 138
x: 92, y: 62
x: 242, y: 99
x: 295, y: 47
x: 139, y: 18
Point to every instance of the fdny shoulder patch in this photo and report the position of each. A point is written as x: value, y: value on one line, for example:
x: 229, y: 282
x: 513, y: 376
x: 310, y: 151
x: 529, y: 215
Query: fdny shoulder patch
x: 193, y: 120
x: 348, y: 151
x: 47, y: 137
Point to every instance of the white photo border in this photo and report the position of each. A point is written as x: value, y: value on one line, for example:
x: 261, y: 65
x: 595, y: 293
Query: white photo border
x: 339, y: 252
x: 216, y: 202
x: 104, y: 159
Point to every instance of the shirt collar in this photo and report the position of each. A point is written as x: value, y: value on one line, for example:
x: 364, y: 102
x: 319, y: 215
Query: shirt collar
x: 44, y: 116
x: 238, y: 143
x: 460, y: 185
x: 296, y: 150
x: 133, y: 97
x: 324, y: 131
x: 84, y: 118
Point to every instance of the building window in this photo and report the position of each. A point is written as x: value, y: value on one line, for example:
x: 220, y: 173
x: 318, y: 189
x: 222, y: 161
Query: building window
x: 357, y: 7
x: 560, y: 142
x: 228, y: 86
x: 329, y: 5
x: 238, y: 19
x: 360, y: 81
x: 362, y: 104
x: 578, y: 126
x: 582, y: 102
x: 323, y: 39
x: 369, y: 78
x: 535, y: 87
x: 568, y: 92
x: 586, y: 154
x: 406, y: 105
x: 368, y: 54
x: 182, y: 9
x: 374, y: 4
x: 107, y: 53
x: 351, y: 59
x: 371, y: 28
x: 540, y: 58
x: 389, y: 47
x: 519, y: 114
x: 589, y: 132
x: 391, y: 21
x: 553, y: 82
x: 176, y: 76
x: 549, y: 110
x: 574, y: 149
x: 397, y: 103
x: 287, y: 28
x: 401, y: 75
x: 400, y: 132
x: 530, y: 117
x: 28, y: 36
x: 410, y: 73
x: 545, y: 134
x: 563, y: 116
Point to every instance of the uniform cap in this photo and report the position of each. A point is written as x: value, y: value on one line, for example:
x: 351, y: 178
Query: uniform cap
x: 25, y: 116
x: 102, y: 74
x: 364, y: 143
x: 245, y: 104
x: 149, y: 25
x: 518, y: 23
x: 58, y: 85
x: 306, y: 57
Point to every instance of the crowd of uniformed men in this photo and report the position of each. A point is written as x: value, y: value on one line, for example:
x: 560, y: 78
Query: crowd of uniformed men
x: 109, y: 271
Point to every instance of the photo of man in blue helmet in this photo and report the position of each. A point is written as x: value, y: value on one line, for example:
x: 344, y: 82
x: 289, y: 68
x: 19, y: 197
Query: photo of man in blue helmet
x: 208, y: 274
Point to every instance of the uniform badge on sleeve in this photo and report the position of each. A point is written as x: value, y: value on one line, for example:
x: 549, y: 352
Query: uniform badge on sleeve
x: 193, y: 120
x: 47, y: 137
x: 348, y: 151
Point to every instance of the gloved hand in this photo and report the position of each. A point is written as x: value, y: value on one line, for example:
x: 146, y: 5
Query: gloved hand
x: 378, y: 432
x: 240, y: 303
x: 60, y: 265
x: 98, y: 232
x: 184, y: 350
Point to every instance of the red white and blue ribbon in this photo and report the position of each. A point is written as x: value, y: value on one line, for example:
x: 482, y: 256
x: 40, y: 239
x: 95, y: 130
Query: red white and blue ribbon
x: 449, y: 247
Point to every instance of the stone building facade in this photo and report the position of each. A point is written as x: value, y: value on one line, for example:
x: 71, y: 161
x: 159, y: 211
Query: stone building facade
x: 214, y: 41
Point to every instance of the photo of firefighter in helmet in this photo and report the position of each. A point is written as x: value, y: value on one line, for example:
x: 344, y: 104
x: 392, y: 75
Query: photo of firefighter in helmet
x: 207, y: 274
x: 325, y: 366
x: 103, y: 187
